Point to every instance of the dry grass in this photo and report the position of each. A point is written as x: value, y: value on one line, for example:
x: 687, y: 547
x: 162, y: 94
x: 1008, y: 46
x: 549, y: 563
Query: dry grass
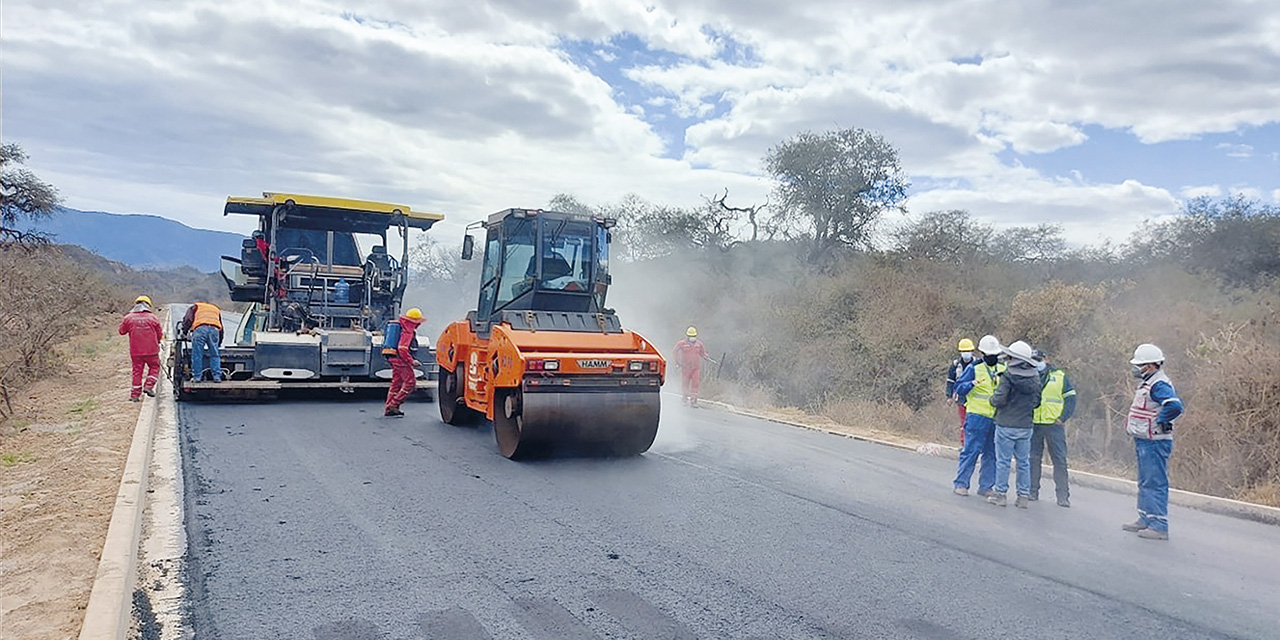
x: 63, y: 452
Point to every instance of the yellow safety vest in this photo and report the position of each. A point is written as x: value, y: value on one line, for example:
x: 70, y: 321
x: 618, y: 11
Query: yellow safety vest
x: 1052, y: 399
x: 978, y: 401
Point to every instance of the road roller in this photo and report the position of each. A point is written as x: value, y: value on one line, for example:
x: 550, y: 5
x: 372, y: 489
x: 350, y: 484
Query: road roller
x: 541, y: 356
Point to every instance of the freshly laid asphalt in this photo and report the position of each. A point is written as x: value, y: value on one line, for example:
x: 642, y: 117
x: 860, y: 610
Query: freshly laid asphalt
x: 322, y: 519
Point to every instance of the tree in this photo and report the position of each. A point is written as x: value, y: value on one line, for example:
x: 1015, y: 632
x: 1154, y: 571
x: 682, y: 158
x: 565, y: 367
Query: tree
x: 1029, y: 244
x: 22, y: 196
x: 948, y: 236
x: 836, y: 185
x: 648, y: 230
x: 1237, y: 237
x: 717, y: 203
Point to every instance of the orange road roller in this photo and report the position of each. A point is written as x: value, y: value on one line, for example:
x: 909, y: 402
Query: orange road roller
x: 541, y: 356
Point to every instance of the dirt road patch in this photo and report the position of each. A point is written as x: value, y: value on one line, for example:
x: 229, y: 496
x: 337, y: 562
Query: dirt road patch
x: 61, y: 458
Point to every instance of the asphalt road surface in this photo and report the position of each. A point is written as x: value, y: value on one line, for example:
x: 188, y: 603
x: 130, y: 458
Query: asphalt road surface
x: 325, y: 520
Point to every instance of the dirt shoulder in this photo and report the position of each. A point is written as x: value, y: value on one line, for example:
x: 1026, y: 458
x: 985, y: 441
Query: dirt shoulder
x: 61, y: 458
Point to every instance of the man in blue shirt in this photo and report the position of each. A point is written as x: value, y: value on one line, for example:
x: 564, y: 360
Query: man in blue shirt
x: 1155, y: 406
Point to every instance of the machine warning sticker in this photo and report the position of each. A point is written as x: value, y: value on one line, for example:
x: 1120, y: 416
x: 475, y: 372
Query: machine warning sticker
x: 593, y: 364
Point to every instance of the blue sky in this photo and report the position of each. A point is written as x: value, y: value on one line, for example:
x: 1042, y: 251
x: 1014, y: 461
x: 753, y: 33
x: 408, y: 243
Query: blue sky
x: 1096, y: 116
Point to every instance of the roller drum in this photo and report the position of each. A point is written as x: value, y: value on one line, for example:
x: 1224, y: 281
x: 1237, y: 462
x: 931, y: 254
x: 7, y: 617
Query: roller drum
x: 529, y: 425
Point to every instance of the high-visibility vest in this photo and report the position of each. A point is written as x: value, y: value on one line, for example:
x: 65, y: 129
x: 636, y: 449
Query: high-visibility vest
x: 978, y: 401
x: 1145, y: 410
x: 1052, y: 398
x: 207, y: 314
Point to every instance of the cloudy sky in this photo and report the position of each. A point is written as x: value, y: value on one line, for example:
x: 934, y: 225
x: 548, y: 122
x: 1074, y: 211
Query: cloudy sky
x: 1093, y: 115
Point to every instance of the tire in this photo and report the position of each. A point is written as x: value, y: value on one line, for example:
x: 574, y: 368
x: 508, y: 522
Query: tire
x: 453, y: 409
x: 178, y: 377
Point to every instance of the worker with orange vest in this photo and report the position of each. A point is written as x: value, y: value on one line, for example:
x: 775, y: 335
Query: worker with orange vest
x: 204, y: 321
x: 404, y: 368
x: 690, y: 353
x: 144, y: 331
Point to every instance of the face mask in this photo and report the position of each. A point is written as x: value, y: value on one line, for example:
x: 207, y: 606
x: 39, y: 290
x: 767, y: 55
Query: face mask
x: 1040, y: 366
x: 966, y: 355
x: 991, y: 360
x: 1138, y: 372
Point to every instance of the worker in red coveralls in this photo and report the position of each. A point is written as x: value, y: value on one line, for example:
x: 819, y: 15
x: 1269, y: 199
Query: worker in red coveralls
x: 144, y: 331
x: 404, y: 373
x: 690, y: 353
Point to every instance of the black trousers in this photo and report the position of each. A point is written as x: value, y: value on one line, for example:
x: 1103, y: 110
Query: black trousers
x: 1056, y: 435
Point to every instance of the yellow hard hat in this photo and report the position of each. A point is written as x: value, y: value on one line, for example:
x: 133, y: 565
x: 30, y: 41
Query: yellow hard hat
x: 692, y: 332
x: 414, y: 314
x: 965, y: 345
x: 144, y: 299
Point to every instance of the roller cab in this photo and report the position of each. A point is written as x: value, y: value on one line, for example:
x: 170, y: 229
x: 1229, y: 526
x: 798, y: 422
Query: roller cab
x: 541, y: 356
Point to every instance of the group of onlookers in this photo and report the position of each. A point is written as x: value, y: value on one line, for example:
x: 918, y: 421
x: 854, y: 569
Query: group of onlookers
x: 1013, y: 402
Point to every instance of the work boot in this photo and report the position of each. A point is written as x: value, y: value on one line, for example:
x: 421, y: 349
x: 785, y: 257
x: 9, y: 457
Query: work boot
x: 986, y: 494
x: 1064, y: 502
x: 1136, y: 525
x: 393, y: 412
x: 1152, y: 534
x: 1035, y: 497
x: 961, y: 491
x: 135, y: 399
x: 1021, y: 502
x: 151, y: 393
x: 998, y: 499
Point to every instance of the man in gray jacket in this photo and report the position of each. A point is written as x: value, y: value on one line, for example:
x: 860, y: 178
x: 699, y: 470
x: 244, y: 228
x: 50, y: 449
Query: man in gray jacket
x: 1016, y: 398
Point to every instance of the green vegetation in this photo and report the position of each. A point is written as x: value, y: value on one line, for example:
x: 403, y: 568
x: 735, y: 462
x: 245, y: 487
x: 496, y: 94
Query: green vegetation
x: 84, y: 407
x: 16, y: 458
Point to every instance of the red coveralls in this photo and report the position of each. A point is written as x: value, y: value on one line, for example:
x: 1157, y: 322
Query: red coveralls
x: 689, y: 356
x: 404, y: 379
x: 144, y: 331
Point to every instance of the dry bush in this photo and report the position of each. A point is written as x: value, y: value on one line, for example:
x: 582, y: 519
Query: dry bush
x: 1229, y: 441
x: 1044, y: 316
x: 44, y: 299
x: 929, y: 424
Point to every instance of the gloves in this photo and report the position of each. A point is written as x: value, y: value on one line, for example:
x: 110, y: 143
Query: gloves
x: 1164, y: 427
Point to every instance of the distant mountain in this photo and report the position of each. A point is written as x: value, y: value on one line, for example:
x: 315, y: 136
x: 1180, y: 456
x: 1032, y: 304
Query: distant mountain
x: 141, y: 241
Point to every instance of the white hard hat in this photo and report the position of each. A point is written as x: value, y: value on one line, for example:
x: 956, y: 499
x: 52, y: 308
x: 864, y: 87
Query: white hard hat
x: 1147, y: 354
x: 990, y: 345
x: 1020, y: 350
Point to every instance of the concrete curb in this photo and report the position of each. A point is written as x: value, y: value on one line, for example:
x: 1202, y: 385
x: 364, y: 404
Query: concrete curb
x: 1188, y: 499
x: 109, y: 614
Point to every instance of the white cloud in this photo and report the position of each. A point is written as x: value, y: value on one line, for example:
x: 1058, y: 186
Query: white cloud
x: 152, y: 106
x: 1206, y: 191
x: 1087, y: 214
x: 1236, y: 150
x: 1252, y: 193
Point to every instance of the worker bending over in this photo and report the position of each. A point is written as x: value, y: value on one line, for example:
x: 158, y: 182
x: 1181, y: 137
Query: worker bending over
x: 204, y: 321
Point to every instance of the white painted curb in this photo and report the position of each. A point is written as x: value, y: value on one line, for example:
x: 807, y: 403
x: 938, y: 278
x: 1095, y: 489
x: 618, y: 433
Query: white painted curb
x: 1189, y: 499
x: 109, y: 614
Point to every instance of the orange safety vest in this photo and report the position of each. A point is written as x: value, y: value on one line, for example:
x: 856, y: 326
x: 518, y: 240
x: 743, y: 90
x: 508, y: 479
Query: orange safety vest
x: 207, y: 314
